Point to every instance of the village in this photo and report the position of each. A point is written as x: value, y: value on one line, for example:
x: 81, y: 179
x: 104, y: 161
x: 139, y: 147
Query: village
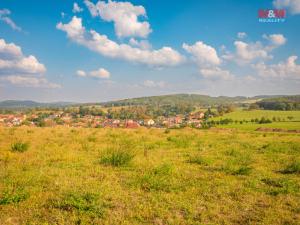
x: 66, y: 119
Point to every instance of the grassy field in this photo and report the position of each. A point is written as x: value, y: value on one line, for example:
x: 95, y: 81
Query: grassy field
x: 285, y: 121
x: 254, y: 126
x: 148, y: 176
x: 248, y: 115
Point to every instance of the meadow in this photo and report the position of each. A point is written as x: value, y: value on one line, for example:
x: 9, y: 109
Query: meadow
x: 289, y: 120
x: 241, y: 114
x: 148, y: 176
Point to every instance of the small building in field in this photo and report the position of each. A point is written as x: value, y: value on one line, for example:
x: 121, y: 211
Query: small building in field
x: 111, y: 123
x: 178, y: 120
x: 149, y: 122
x: 173, y: 122
x: 116, y: 122
x: 197, y: 115
x: 195, y: 123
x: 131, y: 124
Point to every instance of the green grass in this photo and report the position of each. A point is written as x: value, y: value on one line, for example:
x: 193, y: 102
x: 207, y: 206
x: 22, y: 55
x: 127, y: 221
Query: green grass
x: 19, y: 146
x: 254, y: 126
x: 120, y: 154
x: 156, y: 179
x: 293, y: 167
x: 117, y: 158
x: 248, y: 115
x: 80, y: 203
x: 280, y: 186
x: 149, y: 176
x: 12, y: 196
x: 243, y: 170
x: 244, y: 115
x: 197, y: 159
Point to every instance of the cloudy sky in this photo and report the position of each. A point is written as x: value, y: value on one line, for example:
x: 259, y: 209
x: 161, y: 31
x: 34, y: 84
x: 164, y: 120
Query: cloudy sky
x: 91, y: 51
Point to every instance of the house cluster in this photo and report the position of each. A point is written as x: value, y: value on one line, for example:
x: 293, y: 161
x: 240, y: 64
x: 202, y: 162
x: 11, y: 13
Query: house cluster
x: 11, y: 120
x: 71, y: 120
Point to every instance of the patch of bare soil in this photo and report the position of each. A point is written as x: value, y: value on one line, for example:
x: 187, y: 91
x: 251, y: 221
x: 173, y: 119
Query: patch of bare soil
x: 267, y: 129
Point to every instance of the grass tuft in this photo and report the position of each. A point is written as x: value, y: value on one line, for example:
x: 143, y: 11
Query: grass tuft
x: 242, y: 170
x: 157, y: 179
x: 180, y: 141
x: 12, y: 196
x: 19, y: 146
x: 293, y: 167
x: 120, y: 154
x: 278, y: 186
x: 118, y: 158
x: 196, y: 159
x: 87, y: 203
x: 92, y: 138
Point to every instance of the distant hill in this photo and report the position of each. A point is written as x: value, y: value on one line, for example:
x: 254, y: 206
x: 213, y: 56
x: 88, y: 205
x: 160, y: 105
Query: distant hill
x: 174, y: 99
x: 15, y: 104
x: 193, y: 99
x: 288, y: 98
x: 281, y: 103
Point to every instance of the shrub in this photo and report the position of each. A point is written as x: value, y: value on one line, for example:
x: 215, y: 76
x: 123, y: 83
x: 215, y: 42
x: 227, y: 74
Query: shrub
x: 12, y: 196
x: 87, y: 203
x: 242, y: 170
x: 167, y: 131
x: 264, y: 120
x: 117, y: 158
x: 120, y: 154
x: 293, y: 167
x: 19, y: 146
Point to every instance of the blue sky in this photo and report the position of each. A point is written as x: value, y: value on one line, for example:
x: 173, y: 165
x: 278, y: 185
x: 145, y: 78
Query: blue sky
x: 87, y: 51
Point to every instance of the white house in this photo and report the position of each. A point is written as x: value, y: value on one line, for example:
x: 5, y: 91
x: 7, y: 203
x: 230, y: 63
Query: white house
x: 149, y: 122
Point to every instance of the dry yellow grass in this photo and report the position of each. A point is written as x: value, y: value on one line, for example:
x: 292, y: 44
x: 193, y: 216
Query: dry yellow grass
x: 186, y: 176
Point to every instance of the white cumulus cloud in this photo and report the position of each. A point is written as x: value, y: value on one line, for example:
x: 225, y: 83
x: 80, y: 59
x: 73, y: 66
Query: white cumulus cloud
x: 143, y: 44
x: 13, y: 61
x: 76, y: 8
x: 292, y: 6
x: 101, y: 44
x: 9, y: 50
x: 124, y: 15
x: 275, y: 39
x: 247, y: 52
x: 287, y: 69
x: 81, y: 73
x: 208, y: 61
x: 18, y: 69
x: 204, y: 55
x: 24, y: 81
x: 101, y: 73
x: 216, y: 73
